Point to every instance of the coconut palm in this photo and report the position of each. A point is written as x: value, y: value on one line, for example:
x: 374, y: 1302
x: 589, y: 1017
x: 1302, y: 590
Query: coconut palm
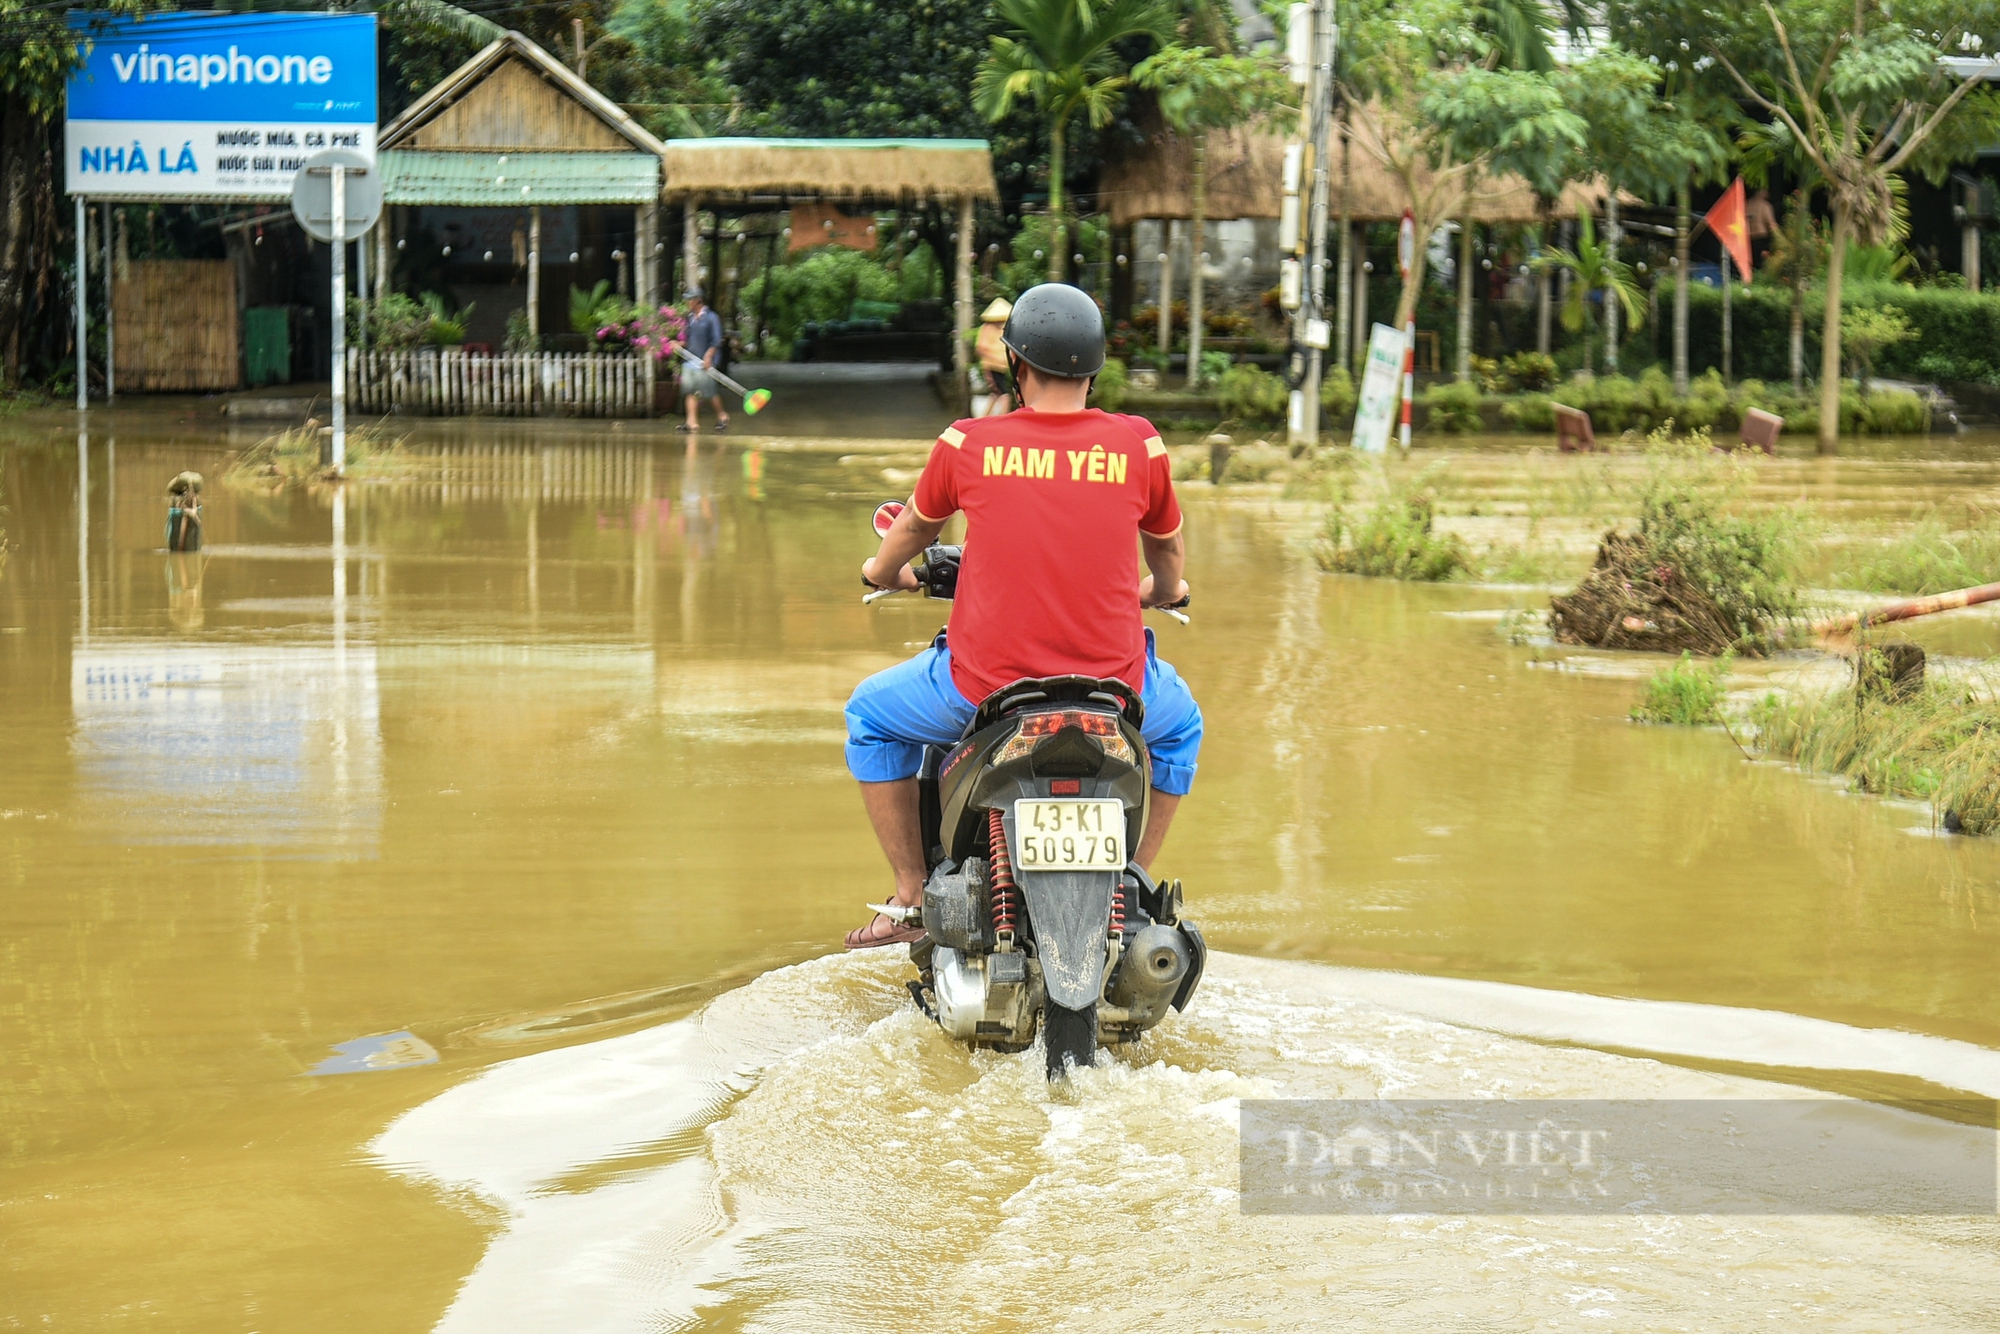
x: 1060, y: 55
x: 1592, y: 269
x: 1200, y: 91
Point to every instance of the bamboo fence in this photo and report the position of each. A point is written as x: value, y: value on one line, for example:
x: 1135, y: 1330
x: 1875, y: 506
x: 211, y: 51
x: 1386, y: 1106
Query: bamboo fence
x: 447, y: 382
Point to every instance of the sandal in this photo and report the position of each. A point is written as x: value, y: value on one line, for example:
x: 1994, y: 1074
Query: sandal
x: 723, y: 425
x: 685, y: 429
x: 905, y: 927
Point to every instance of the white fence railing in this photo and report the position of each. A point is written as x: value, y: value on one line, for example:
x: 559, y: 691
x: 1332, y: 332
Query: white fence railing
x: 445, y: 382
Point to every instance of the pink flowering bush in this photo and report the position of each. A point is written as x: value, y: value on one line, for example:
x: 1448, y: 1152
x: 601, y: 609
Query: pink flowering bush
x: 658, y: 332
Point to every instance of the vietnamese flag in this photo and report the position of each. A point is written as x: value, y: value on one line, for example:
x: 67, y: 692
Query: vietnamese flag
x: 1727, y: 221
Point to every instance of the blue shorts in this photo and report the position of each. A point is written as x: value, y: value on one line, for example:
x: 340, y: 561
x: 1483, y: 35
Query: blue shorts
x: 894, y: 714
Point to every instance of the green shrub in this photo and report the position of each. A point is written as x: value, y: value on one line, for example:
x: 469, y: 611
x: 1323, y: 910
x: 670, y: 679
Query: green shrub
x: 818, y: 288
x: 446, y: 327
x: 1958, y: 334
x: 1251, y: 394
x: 1087, y: 236
x: 1257, y: 462
x: 1394, y: 539
x: 1453, y: 407
x: 1337, y: 399
x: 396, y: 323
x: 1530, y: 412
x: 1688, y: 694
x: 1532, y: 371
x: 1693, y: 516
x: 1108, y: 391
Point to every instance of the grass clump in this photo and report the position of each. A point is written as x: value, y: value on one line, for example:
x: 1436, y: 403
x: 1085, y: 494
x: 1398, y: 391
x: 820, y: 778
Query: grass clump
x: 1939, y: 744
x: 1394, y: 539
x: 296, y: 456
x: 1935, y: 554
x: 1702, y: 572
x: 1685, y: 694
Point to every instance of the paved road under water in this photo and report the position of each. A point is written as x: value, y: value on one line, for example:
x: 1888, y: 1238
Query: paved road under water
x: 552, y: 784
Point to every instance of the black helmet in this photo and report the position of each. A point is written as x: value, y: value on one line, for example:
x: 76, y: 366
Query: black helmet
x: 1058, y: 330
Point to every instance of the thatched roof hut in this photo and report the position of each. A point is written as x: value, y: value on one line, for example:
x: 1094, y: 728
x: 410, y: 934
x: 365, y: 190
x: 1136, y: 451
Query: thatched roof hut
x: 872, y: 170
x: 1246, y: 180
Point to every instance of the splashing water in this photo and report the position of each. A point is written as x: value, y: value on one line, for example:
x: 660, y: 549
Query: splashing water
x: 809, y: 1150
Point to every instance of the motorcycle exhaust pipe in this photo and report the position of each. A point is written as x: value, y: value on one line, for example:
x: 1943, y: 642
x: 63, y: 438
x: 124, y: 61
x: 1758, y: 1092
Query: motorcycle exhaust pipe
x: 1150, y: 973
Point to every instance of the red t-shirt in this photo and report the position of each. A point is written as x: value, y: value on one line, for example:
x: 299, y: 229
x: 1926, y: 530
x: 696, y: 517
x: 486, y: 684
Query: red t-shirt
x: 1054, y: 503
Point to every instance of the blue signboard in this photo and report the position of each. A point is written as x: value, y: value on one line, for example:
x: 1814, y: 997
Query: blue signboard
x: 214, y: 105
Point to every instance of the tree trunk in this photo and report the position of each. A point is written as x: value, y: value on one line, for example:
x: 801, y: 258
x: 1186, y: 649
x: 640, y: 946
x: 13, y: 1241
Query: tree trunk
x: 1681, y: 261
x: 1056, y: 240
x: 1613, y: 233
x: 1829, y: 348
x: 26, y: 258
x: 1197, y: 261
x: 1589, y: 342
x: 1728, y: 362
x: 1798, y: 335
x: 1464, y: 357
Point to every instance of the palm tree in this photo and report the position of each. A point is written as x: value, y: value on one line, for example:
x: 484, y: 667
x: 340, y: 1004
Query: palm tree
x: 1200, y: 91
x: 1593, y: 270
x: 1060, y: 55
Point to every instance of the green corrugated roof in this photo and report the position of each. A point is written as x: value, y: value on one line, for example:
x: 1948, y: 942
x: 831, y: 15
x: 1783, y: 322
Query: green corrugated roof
x: 729, y: 141
x: 425, y: 176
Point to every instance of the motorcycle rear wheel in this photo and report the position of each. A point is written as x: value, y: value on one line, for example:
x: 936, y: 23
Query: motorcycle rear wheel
x: 1070, y: 1038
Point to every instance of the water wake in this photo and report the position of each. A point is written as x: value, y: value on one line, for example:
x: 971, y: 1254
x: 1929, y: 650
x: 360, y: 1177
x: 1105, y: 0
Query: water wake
x: 807, y: 1151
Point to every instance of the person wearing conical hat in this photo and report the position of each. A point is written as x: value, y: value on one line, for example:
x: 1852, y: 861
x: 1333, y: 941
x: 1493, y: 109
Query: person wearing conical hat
x: 993, y: 355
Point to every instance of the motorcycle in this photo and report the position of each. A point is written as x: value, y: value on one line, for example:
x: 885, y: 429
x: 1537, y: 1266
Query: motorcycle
x: 1037, y: 919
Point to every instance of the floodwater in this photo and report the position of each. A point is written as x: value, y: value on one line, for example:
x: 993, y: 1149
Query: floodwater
x: 531, y: 761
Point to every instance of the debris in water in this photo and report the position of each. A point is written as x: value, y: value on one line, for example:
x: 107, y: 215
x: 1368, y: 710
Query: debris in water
x: 1632, y: 600
x: 382, y: 1051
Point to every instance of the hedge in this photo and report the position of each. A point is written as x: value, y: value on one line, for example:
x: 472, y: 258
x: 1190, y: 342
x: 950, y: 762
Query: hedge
x: 1958, y: 331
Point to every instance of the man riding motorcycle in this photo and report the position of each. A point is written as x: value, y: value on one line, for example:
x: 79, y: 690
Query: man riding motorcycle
x: 1056, y: 497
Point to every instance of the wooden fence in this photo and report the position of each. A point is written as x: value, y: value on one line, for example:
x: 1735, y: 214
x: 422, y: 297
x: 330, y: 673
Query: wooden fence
x: 176, y: 325
x: 444, y: 382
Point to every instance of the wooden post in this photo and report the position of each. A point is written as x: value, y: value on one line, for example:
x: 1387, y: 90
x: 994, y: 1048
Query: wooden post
x: 110, y: 330
x: 961, y: 361
x: 1166, y: 303
x: 649, y: 253
x: 382, y: 230
x: 535, y: 276
x: 1968, y: 255
x: 690, y: 243
x: 1463, y: 368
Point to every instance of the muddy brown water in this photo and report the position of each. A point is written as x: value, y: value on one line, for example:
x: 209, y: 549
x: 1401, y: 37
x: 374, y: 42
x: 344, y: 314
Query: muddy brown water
x: 554, y: 785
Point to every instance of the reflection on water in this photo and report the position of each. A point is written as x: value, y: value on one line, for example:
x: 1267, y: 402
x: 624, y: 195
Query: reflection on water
x: 534, y: 752
x: 220, y: 744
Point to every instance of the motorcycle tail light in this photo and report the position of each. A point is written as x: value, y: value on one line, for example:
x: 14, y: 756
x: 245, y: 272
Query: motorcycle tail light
x: 1038, y: 727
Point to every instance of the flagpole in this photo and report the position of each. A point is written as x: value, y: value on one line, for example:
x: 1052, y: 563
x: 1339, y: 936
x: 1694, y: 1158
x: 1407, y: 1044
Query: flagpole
x: 1728, y: 376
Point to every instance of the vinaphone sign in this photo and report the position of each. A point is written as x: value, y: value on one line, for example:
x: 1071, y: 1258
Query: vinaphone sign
x: 215, y: 105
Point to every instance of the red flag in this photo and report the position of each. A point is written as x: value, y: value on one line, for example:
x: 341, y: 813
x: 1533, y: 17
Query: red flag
x: 1727, y: 221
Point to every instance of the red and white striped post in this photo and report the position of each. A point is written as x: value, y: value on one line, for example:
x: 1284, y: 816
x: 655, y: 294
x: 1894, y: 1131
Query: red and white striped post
x: 1406, y: 259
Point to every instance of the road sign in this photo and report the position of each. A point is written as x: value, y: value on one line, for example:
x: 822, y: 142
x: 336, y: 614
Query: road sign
x: 312, y: 195
x: 209, y: 105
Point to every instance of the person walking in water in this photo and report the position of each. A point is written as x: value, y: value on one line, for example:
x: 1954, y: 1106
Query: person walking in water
x: 1060, y: 499
x: 993, y: 356
x: 704, y: 339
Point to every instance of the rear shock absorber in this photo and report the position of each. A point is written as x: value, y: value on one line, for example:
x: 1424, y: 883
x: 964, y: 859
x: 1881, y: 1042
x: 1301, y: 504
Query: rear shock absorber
x: 1006, y: 898
x: 1118, y: 910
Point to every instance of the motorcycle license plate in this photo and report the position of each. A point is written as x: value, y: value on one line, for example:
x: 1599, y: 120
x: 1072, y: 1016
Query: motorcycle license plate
x: 1070, y: 835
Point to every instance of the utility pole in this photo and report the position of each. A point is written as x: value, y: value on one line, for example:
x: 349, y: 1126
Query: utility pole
x: 1311, y: 330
